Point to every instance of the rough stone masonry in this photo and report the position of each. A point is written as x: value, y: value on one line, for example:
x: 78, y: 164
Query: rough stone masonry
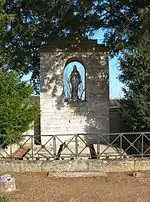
x: 60, y: 117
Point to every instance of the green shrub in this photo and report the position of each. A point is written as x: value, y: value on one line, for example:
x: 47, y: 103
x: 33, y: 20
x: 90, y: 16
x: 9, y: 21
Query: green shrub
x: 17, y: 108
x: 4, y: 199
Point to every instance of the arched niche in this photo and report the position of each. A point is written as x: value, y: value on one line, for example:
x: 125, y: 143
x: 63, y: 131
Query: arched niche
x: 69, y: 68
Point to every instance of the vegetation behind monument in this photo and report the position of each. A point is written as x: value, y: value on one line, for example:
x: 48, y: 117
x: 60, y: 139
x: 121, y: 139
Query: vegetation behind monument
x: 135, y: 74
x: 17, y: 109
x: 40, y: 22
x: 26, y: 25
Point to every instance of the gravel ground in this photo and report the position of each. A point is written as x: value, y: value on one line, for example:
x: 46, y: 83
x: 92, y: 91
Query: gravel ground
x: 116, y: 187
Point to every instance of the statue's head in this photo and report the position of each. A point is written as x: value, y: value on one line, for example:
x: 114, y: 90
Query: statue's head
x: 74, y: 68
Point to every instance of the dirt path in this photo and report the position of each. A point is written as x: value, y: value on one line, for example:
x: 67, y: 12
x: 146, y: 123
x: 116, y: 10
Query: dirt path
x: 37, y: 187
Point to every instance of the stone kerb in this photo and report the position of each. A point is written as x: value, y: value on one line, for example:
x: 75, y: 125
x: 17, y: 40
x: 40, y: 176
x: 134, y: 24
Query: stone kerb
x: 123, y: 165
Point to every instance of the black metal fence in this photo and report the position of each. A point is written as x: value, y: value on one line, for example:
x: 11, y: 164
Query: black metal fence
x: 95, y: 146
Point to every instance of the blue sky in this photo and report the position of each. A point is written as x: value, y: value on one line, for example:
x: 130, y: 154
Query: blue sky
x: 114, y: 85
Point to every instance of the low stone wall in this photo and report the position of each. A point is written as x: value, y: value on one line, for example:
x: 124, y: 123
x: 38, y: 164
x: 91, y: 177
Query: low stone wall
x: 76, y: 166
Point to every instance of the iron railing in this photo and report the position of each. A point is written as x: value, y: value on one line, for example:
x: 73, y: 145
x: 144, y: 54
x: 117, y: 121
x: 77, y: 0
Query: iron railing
x: 95, y: 146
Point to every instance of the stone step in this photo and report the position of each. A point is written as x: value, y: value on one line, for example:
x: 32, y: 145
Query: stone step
x: 77, y: 174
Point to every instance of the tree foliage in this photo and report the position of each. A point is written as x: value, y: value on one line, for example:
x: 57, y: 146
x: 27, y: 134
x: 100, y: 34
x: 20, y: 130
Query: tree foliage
x: 135, y: 74
x: 40, y: 22
x: 127, y: 32
x: 5, y: 21
x: 27, y: 25
x: 17, y: 109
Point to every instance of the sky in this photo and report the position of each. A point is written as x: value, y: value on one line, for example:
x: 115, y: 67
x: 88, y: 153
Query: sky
x: 115, y: 87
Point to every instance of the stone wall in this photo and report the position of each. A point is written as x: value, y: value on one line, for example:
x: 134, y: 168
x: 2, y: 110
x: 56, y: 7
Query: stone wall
x: 59, y: 117
x: 116, y: 124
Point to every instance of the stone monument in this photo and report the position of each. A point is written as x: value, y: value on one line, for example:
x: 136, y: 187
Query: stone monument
x: 74, y: 116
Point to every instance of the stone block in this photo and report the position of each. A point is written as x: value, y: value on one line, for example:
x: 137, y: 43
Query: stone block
x: 7, y: 183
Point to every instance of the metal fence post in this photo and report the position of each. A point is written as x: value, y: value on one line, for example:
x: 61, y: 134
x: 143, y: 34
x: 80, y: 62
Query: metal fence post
x: 121, y: 135
x: 54, y: 146
x: 98, y: 150
x: 142, y: 144
x: 32, y: 147
x: 0, y: 140
x: 76, y: 146
x: 11, y: 152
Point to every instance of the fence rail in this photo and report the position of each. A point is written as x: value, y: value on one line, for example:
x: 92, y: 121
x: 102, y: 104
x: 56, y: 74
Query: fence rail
x: 95, y: 146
